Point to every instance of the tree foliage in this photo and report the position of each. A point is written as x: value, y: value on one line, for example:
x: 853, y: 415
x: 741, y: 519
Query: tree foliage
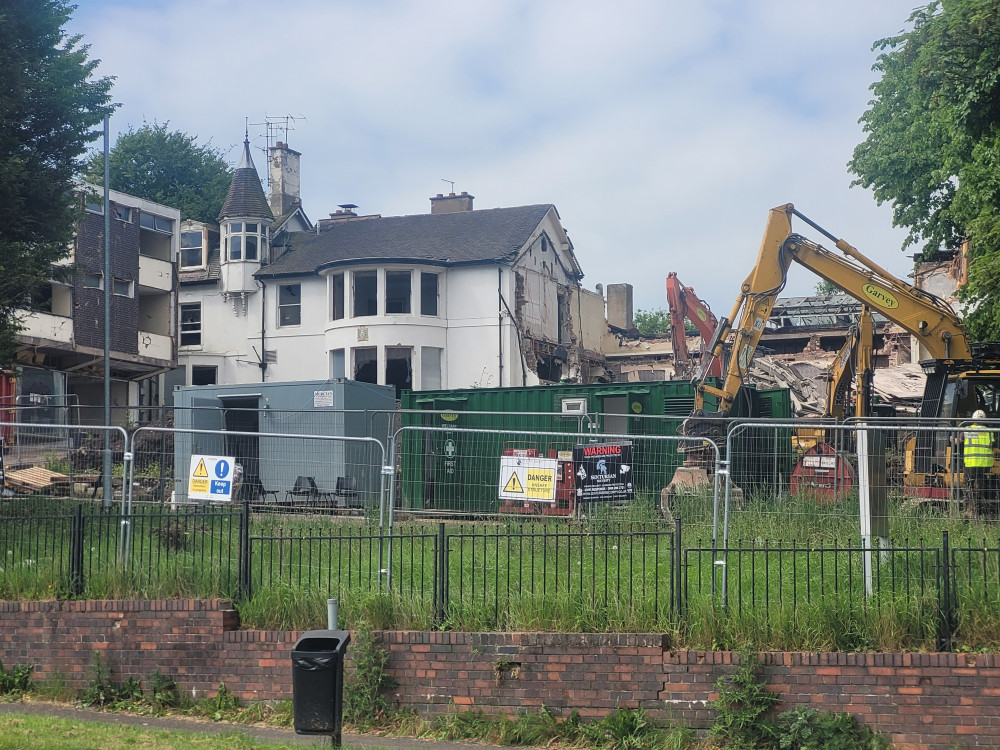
x: 651, y: 322
x: 167, y: 167
x: 933, y: 143
x: 826, y: 288
x: 50, y: 105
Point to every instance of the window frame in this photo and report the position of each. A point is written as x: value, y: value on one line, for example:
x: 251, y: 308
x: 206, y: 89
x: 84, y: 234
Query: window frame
x: 338, y: 302
x: 437, y: 294
x: 129, y: 290
x: 258, y: 234
x: 287, y: 306
x: 402, y: 302
x: 200, y: 248
x: 89, y: 275
x: 181, y: 324
x: 365, y: 275
x: 160, y: 224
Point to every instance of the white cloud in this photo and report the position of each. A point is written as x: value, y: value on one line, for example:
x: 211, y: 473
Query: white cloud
x: 662, y: 131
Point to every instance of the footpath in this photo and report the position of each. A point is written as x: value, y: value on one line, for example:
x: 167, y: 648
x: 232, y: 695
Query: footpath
x: 261, y: 733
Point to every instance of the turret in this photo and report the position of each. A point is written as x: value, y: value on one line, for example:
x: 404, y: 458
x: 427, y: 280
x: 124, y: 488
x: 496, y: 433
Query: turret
x: 245, y: 222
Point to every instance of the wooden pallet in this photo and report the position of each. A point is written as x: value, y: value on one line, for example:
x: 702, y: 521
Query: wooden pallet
x: 36, y: 480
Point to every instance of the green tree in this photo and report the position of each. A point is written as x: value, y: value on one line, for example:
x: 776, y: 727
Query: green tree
x: 932, y: 148
x: 50, y: 105
x: 826, y: 288
x: 166, y: 167
x: 651, y: 322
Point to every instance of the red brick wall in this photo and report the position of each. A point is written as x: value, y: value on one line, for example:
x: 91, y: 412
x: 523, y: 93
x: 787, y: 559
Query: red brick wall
x: 918, y: 700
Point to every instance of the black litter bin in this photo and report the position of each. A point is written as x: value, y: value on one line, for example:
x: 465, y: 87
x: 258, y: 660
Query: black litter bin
x: 318, y: 682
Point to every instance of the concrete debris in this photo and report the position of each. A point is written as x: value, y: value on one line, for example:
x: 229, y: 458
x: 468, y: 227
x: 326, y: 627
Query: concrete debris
x: 901, y: 386
x: 806, y: 382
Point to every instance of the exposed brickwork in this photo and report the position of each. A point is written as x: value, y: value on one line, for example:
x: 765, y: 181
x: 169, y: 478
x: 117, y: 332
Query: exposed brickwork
x: 917, y: 700
x: 88, y: 304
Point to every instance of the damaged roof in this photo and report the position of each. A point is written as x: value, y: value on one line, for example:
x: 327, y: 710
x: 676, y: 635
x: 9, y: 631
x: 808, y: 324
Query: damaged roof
x: 833, y: 311
x: 492, y: 235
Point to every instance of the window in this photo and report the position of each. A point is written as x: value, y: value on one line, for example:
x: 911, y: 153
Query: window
x: 122, y: 287
x: 92, y: 280
x: 204, y: 375
x: 191, y: 324
x: 124, y: 213
x: 94, y: 203
x: 192, y: 250
x: 430, y: 368
x: 365, y: 294
x: 428, y: 294
x: 366, y: 364
x: 156, y: 223
x: 397, y: 292
x: 398, y: 371
x: 245, y: 239
x: 337, y: 364
x: 337, y: 297
x: 289, y: 305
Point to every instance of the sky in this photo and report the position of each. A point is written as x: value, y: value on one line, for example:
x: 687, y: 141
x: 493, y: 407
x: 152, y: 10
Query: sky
x: 663, y: 131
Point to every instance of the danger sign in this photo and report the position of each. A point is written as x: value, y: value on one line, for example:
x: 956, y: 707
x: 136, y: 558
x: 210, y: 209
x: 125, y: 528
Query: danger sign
x: 211, y: 478
x: 524, y: 478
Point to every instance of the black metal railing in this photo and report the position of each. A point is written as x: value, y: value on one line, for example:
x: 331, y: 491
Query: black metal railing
x: 603, y: 576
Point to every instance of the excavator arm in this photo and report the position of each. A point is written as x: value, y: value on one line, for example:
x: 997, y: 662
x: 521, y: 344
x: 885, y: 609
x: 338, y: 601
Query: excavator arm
x: 927, y: 317
x: 853, y: 362
x: 684, y: 304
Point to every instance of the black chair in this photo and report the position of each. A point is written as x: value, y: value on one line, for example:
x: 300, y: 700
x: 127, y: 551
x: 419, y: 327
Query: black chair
x: 347, y: 488
x: 304, y: 487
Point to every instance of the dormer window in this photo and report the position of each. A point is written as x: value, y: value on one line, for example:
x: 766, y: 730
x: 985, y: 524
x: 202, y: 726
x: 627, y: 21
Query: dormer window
x: 192, y: 249
x: 245, y: 240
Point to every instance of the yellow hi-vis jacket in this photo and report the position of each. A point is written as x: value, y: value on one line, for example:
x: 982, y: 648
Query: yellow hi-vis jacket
x: 978, y: 447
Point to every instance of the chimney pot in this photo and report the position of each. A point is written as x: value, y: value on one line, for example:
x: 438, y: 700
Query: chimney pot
x: 279, y: 144
x: 451, y: 195
x: 440, y: 195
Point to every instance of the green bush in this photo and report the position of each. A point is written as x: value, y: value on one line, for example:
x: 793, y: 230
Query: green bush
x: 17, y: 680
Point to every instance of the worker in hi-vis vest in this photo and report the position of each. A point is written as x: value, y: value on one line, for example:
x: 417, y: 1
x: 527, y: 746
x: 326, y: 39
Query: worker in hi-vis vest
x: 977, y: 456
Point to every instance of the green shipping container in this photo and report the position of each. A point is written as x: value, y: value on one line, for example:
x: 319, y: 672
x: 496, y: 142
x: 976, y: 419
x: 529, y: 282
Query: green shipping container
x: 451, y: 470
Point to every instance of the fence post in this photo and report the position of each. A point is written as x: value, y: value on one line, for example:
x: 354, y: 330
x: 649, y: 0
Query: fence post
x: 946, y: 604
x: 244, y: 591
x: 76, y: 552
x: 441, y: 575
x: 675, y: 579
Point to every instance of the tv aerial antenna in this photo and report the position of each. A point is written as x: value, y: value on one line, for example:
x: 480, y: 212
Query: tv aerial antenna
x: 276, y: 128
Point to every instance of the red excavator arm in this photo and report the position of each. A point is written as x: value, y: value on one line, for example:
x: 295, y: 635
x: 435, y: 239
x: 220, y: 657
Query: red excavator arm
x: 684, y: 305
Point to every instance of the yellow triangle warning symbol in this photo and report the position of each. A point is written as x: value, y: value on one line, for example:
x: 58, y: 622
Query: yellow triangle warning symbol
x: 514, y: 485
x: 200, y: 470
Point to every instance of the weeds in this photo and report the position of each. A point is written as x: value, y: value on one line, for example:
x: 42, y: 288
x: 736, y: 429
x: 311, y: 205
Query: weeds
x: 365, y: 704
x: 17, y: 680
x: 743, y: 709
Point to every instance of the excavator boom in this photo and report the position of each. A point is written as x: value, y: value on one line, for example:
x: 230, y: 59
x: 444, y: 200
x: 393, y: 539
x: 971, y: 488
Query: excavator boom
x: 927, y: 317
x: 684, y: 304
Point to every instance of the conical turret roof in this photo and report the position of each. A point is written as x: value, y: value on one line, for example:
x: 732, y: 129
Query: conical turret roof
x: 246, y: 196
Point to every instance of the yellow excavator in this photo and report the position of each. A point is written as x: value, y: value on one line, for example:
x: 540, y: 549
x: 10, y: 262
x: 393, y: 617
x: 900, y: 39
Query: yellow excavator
x: 961, y: 376
x: 853, y: 365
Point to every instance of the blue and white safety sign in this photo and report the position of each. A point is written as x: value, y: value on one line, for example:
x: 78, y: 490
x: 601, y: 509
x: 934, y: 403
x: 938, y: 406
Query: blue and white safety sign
x: 211, y: 478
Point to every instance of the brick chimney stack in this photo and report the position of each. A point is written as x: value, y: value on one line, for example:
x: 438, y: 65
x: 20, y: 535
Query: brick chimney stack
x: 451, y: 203
x: 283, y: 171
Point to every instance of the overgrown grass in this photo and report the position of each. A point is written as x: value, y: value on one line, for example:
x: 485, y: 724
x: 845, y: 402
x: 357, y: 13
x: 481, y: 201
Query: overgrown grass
x: 794, y: 572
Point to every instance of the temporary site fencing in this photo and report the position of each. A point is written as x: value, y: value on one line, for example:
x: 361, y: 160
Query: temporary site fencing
x: 782, y: 541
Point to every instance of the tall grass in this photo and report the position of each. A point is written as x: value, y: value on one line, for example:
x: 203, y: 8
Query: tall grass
x: 793, y: 568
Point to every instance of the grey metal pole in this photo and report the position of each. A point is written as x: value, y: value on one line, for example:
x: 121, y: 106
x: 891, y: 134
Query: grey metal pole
x: 331, y: 614
x: 108, y: 483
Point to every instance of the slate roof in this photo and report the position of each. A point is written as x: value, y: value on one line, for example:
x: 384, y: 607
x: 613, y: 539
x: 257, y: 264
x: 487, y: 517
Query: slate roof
x: 493, y: 235
x: 246, y: 196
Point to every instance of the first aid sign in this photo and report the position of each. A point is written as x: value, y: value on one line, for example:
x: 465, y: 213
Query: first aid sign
x: 211, y: 478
